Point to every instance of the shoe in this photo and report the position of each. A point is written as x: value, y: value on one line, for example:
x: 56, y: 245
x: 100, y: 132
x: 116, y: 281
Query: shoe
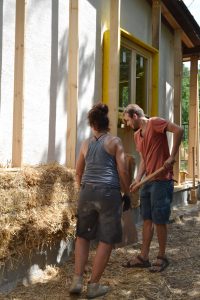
x: 96, y: 290
x: 159, y: 266
x: 141, y: 263
x: 77, y: 285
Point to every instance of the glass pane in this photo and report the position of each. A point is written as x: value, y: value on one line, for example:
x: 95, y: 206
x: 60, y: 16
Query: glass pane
x: 141, y: 81
x: 125, y: 78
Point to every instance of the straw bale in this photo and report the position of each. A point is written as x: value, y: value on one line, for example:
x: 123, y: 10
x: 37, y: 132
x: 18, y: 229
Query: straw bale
x: 38, y: 205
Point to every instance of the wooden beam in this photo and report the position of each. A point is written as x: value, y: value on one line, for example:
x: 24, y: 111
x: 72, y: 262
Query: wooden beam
x: 72, y: 95
x: 175, y: 25
x: 156, y: 23
x: 193, y: 109
x: 114, y: 64
x: 177, y: 92
x: 18, y: 109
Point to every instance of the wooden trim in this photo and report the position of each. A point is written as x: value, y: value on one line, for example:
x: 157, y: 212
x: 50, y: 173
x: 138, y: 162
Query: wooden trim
x: 193, y: 113
x: 177, y: 92
x: 72, y: 96
x: 18, y: 109
x: 156, y: 23
x: 106, y: 53
x: 114, y: 63
x: 175, y: 25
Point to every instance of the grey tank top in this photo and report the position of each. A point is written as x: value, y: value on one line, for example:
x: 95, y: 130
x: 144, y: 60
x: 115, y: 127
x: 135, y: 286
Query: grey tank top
x: 101, y: 167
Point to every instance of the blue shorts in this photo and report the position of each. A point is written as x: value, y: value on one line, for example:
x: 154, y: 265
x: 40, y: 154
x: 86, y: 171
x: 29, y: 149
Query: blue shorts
x: 155, y: 201
x: 99, y: 213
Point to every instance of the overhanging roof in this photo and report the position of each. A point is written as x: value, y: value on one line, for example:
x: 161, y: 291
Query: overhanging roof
x: 183, y: 19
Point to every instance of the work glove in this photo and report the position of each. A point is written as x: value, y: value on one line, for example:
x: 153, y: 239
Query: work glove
x: 126, y: 202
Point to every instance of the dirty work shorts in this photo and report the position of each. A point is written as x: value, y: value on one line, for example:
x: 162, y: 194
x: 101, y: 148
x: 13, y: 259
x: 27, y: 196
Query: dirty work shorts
x: 99, y: 213
x: 155, y: 201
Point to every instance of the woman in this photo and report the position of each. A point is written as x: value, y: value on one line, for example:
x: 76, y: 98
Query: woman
x: 100, y: 169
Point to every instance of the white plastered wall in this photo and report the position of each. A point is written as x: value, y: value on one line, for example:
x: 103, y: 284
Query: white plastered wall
x: 166, y: 74
x: 7, y: 51
x: 136, y: 19
x: 93, y: 19
x: 45, y: 81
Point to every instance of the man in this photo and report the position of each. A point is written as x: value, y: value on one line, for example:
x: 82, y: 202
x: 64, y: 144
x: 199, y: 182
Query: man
x: 155, y: 196
x: 99, y: 171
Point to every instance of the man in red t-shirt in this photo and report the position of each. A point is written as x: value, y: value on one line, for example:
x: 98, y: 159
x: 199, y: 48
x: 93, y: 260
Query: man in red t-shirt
x: 156, y: 195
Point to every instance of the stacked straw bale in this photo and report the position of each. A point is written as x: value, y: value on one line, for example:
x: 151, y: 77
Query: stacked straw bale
x: 38, y: 206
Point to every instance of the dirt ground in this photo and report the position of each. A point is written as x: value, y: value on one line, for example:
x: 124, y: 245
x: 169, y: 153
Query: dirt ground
x: 181, y: 280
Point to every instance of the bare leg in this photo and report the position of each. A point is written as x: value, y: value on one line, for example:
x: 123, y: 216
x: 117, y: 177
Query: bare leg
x: 100, y: 261
x: 81, y: 255
x: 162, y: 262
x: 147, y: 234
x: 162, y: 238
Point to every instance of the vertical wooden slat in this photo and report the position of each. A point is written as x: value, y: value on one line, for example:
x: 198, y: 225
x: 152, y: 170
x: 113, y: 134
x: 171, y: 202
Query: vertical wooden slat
x: 156, y: 29
x: 114, y: 63
x: 193, y: 113
x: 198, y: 140
x: 72, y: 95
x: 156, y: 23
x: 17, y: 143
x: 177, y: 92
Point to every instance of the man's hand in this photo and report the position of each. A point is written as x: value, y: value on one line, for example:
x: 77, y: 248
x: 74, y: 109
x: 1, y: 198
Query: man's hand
x: 134, y: 187
x: 168, y: 164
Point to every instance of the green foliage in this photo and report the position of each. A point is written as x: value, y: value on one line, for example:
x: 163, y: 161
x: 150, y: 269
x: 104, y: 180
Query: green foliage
x: 185, y: 94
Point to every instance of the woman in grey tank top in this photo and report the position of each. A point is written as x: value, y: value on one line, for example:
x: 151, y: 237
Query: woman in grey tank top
x: 100, y: 171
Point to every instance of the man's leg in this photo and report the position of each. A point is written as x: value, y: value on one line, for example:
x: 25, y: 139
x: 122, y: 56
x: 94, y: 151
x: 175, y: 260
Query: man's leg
x: 100, y: 261
x: 147, y: 234
x: 162, y: 238
x: 161, y: 262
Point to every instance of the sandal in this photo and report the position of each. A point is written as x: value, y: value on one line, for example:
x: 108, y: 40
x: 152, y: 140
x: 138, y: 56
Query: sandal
x: 159, y: 267
x: 141, y: 264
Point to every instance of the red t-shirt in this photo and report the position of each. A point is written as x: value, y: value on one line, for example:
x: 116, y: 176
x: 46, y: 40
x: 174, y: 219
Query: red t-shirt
x: 154, y: 147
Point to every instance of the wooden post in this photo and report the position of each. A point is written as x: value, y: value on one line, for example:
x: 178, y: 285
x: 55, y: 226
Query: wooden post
x: 72, y: 96
x: 198, y: 141
x: 18, y: 109
x: 177, y: 92
x: 193, y: 113
x: 156, y: 23
x: 113, y: 100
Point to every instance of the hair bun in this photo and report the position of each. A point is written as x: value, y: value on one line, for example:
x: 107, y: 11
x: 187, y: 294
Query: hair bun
x: 103, y: 108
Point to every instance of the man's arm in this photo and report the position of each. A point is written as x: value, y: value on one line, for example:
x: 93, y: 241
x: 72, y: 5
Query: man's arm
x: 140, y: 173
x: 178, y: 133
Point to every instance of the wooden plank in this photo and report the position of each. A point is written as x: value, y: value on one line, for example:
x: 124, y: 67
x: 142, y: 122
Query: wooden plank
x: 114, y: 64
x: 193, y: 113
x: 17, y: 142
x: 177, y: 92
x: 175, y: 25
x: 72, y: 96
x: 156, y: 23
x: 198, y: 140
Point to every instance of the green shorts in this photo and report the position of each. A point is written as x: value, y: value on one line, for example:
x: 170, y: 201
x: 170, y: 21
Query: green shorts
x: 99, y: 213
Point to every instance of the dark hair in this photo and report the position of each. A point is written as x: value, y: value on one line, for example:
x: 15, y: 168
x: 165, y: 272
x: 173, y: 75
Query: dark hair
x: 132, y: 109
x: 98, y: 117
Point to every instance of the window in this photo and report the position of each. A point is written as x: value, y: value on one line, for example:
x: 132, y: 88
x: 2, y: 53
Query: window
x: 135, y: 77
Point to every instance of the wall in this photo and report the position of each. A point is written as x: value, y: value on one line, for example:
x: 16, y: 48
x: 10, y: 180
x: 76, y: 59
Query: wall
x: 45, y: 116
x: 93, y: 21
x: 166, y: 74
x: 7, y: 51
x: 136, y: 19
